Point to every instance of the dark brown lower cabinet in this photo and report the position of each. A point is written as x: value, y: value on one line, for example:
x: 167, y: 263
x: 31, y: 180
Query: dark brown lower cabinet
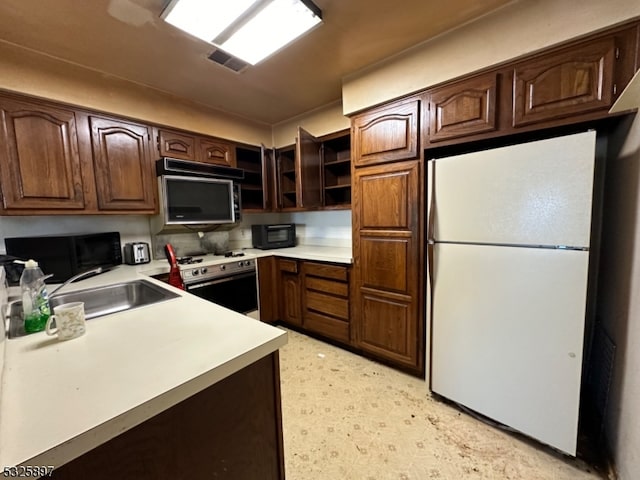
x: 268, y: 289
x: 232, y: 430
x: 325, y: 300
x: 290, y: 311
x: 310, y: 296
x: 388, y: 259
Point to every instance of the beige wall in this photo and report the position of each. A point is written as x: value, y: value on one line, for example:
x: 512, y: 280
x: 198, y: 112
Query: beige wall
x: 318, y: 122
x: 520, y: 27
x: 28, y: 72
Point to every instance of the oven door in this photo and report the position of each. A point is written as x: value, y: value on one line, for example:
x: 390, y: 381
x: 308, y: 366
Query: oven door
x: 237, y: 292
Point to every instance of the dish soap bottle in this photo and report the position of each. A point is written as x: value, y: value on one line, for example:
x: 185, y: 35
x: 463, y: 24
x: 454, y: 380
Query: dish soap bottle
x: 35, y: 301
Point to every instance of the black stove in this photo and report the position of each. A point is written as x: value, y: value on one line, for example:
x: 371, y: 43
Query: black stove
x: 222, y: 279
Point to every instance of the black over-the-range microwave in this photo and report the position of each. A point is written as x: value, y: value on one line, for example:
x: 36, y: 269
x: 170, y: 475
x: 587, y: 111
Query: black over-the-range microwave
x: 193, y: 193
x: 67, y: 255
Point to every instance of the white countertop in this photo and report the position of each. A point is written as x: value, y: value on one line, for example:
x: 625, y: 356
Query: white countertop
x: 61, y: 399
x: 309, y: 252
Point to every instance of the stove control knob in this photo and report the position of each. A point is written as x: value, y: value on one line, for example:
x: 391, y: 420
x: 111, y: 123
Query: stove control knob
x: 247, y: 263
x: 195, y: 272
x: 223, y: 267
x: 203, y: 270
x: 240, y: 264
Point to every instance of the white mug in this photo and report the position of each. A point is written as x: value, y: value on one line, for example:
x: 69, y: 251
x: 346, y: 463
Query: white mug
x: 70, y: 321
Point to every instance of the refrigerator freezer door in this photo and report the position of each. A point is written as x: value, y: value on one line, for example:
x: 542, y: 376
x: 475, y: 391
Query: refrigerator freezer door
x: 508, y: 325
x: 536, y: 193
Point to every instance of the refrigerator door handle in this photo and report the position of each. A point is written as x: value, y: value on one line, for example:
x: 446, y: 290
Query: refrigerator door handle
x: 431, y: 221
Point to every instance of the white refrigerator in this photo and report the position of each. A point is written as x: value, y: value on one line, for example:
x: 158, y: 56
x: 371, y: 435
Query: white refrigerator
x: 509, y: 237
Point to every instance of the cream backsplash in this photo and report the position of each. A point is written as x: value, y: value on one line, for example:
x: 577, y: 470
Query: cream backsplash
x: 330, y: 228
x: 326, y: 228
x: 132, y: 228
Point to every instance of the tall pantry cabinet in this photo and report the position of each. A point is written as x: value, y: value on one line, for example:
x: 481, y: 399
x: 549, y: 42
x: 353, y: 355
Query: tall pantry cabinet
x: 388, y: 225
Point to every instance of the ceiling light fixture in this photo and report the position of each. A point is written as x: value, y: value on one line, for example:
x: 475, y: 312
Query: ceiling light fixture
x: 248, y: 29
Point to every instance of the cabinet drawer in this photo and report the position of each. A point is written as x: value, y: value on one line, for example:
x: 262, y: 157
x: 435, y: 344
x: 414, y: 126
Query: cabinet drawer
x: 327, y: 271
x: 320, y: 302
x: 288, y: 265
x: 330, y: 327
x: 327, y: 286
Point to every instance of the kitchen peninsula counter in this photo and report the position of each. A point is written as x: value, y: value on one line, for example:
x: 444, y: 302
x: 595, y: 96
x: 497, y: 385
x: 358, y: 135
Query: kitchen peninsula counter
x: 60, y: 400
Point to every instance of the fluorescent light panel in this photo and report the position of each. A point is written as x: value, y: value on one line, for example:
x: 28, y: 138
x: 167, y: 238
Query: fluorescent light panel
x: 275, y: 24
x: 204, y: 19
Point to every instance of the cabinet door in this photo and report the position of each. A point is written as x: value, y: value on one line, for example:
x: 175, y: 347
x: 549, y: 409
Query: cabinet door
x: 176, y: 145
x: 309, y: 170
x: 39, y: 157
x: 573, y: 81
x: 123, y: 165
x: 387, y: 134
x: 464, y: 108
x: 290, y: 310
x: 217, y: 152
x: 388, y: 258
x: 268, y: 289
x: 269, y: 181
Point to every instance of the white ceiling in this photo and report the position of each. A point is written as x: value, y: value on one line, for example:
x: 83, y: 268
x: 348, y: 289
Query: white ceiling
x: 126, y: 38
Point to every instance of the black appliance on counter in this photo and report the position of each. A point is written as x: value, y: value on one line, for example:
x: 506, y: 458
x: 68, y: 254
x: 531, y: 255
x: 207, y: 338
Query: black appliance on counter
x: 267, y: 236
x: 67, y: 255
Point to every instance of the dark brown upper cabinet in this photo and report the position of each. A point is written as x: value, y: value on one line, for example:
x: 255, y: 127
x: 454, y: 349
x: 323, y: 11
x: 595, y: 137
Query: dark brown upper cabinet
x: 257, y: 187
x: 176, y: 145
x: 569, y: 82
x: 123, y: 165
x: 197, y: 148
x: 309, y: 170
x: 299, y: 174
x: 336, y: 170
x: 217, y: 152
x: 286, y: 178
x: 576, y: 82
x: 463, y: 108
x: 41, y: 167
x: 387, y: 134
x: 315, y: 173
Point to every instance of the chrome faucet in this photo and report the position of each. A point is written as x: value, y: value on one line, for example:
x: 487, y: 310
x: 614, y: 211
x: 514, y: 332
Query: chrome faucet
x: 93, y: 271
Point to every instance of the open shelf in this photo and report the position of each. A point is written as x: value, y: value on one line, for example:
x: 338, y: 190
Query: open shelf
x: 336, y: 151
x: 286, y: 170
x: 252, y: 187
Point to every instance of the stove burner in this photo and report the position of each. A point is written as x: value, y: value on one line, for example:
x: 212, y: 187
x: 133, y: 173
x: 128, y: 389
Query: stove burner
x: 188, y: 260
x: 231, y: 254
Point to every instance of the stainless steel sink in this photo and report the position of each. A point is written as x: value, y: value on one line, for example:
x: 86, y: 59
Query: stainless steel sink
x: 99, y: 301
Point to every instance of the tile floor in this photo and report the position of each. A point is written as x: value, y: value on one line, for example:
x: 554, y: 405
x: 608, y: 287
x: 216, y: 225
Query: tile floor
x: 345, y: 417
